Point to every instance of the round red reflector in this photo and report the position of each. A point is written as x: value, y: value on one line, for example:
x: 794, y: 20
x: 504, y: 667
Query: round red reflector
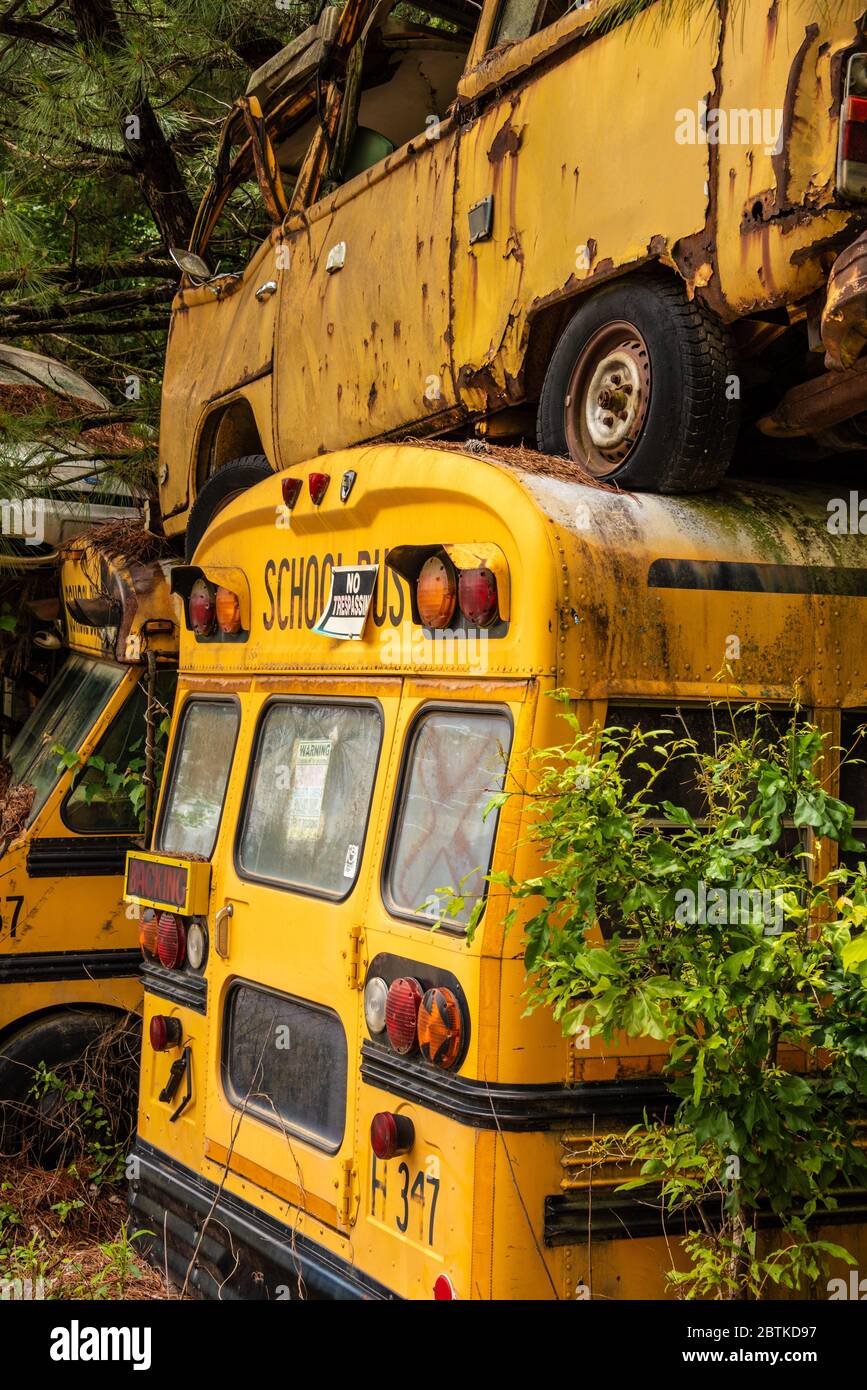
x: 391, y: 1134
x: 440, y: 1027
x: 477, y: 594
x: 401, y: 1013
x: 436, y: 592
x: 202, y: 609
x: 164, y: 1032
x: 228, y: 611
x: 171, y: 940
x: 444, y: 1289
x: 147, y: 934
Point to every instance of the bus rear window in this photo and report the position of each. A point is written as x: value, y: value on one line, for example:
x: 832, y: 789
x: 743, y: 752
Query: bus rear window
x: 455, y: 762
x: 286, y: 1059
x: 308, y: 801
x: 199, y: 774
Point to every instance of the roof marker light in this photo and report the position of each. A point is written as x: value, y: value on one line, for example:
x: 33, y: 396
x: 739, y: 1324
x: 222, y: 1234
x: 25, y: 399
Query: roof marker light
x: 318, y: 484
x: 291, y: 491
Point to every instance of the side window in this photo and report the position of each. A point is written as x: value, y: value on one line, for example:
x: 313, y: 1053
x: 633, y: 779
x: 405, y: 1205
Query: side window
x: 679, y: 781
x: 518, y: 19
x: 455, y: 761
x: 101, y: 803
x: 853, y: 777
x: 198, y: 777
x: 308, y: 800
x: 286, y: 1060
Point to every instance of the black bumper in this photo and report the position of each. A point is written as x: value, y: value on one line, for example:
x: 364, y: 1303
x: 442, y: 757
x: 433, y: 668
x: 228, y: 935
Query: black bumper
x: 243, y: 1254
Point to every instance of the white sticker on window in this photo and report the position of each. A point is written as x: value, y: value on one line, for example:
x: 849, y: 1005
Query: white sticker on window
x: 350, y: 861
x: 310, y: 759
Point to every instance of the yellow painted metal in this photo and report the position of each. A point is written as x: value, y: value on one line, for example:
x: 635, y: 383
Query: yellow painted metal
x: 61, y: 915
x: 148, y: 620
x: 619, y: 599
x: 708, y: 150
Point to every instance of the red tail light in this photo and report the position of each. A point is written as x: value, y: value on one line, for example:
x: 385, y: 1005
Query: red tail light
x: 855, y: 130
x: 171, y: 941
x: 202, y: 609
x: 147, y: 934
x: 477, y: 594
x: 291, y: 491
x: 318, y: 483
x: 391, y: 1134
x: 401, y: 1013
x: 444, y: 1289
x: 165, y: 1032
x: 852, y: 153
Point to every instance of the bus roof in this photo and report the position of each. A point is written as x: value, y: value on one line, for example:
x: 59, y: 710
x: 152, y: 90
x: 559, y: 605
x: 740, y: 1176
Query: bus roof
x: 607, y: 592
x: 117, y: 607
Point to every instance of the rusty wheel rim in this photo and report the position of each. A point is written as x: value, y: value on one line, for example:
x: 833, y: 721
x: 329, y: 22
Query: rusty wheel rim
x: 607, y: 398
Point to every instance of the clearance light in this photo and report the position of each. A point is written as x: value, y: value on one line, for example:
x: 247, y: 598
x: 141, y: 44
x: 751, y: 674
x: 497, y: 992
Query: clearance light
x: 444, y: 1290
x: 477, y: 593
x: 202, y: 609
x: 401, y: 1013
x: 165, y: 1032
x: 291, y: 491
x: 147, y: 934
x: 171, y: 941
x: 436, y: 592
x: 197, y: 945
x: 318, y: 484
x: 375, y: 996
x: 440, y: 1027
x: 391, y: 1134
x: 228, y: 611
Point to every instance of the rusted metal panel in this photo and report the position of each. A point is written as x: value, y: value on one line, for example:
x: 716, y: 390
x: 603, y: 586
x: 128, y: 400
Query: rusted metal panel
x: 365, y: 350
x: 818, y: 404
x: 844, y: 320
x: 577, y: 189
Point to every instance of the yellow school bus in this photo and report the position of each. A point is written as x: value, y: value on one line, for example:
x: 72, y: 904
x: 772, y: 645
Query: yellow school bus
x: 340, y: 1096
x: 592, y: 225
x: 68, y: 952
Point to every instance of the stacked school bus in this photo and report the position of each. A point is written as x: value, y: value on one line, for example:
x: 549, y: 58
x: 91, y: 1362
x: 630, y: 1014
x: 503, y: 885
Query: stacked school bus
x: 68, y: 950
x: 337, y: 1097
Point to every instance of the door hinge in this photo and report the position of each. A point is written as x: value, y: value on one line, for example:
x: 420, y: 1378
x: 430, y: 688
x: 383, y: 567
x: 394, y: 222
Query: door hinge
x: 347, y: 1204
x: 354, y: 971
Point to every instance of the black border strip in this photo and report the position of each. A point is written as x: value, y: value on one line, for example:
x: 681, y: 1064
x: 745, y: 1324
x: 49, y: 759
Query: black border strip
x: 244, y: 1254
x: 80, y: 855
x: 178, y: 986
x: 38, y: 966
x: 607, y: 1215
x: 517, y: 1108
x: 736, y: 576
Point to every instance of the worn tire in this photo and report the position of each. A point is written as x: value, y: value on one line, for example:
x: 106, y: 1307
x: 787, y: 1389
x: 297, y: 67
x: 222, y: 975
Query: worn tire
x: 688, y: 432
x: 234, y: 477
x: 60, y: 1040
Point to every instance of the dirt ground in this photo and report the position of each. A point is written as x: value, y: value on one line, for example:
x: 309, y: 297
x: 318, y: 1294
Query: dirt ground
x: 67, y: 1236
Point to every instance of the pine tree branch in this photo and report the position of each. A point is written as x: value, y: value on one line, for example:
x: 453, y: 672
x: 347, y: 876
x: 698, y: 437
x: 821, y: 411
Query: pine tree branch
x: 35, y: 314
x: 96, y: 273
x: 98, y: 327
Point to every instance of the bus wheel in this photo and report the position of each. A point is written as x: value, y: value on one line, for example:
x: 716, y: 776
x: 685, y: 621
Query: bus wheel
x: 80, y: 1048
x: 228, y: 482
x: 638, y: 389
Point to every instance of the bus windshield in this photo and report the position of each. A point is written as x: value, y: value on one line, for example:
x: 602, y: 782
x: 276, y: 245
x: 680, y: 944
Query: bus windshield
x: 65, y: 714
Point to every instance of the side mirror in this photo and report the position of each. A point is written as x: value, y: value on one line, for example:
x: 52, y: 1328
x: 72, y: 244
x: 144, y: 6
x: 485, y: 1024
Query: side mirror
x: 190, y: 264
